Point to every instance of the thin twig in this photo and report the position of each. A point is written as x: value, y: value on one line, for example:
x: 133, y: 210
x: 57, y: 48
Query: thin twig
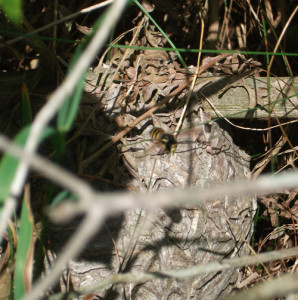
x: 114, y: 203
x: 138, y: 277
x: 179, y: 125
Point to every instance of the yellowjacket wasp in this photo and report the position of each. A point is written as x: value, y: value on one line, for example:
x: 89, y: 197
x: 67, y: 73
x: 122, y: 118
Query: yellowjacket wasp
x: 167, y: 140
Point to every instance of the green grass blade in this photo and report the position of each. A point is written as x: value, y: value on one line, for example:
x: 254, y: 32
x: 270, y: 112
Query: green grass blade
x: 70, y: 107
x: 162, y: 32
x: 26, y: 106
x: 8, y: 164
x: 25, y: 250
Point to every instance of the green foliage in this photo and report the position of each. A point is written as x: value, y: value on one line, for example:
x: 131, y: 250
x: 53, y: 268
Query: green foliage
x: 13, y: 9
x: 65, y: 194
x: 26, y: 106
x: 9, y: 164
x: 25, y: 249
x: 69, y: 109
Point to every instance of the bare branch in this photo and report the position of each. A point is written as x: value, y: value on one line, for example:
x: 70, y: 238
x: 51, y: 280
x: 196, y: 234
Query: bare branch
x: 139, y: 277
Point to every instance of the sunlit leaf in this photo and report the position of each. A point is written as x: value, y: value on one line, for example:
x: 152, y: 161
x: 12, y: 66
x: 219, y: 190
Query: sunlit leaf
x: 13, y: 9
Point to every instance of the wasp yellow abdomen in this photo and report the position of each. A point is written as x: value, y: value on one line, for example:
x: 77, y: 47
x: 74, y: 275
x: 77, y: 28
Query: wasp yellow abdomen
x: 167, y: 140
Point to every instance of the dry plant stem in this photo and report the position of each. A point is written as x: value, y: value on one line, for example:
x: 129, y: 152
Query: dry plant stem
x: 139, y: 277
x: 224, y: 31
x: 278, y: 43
x: 280, y: 38
x: 113, y: 203
x: 270, y: 65
x: 147, y: 114
x: 128, y: 51
x: 117, y: 202
x: 213, y: 20
x: 179, y: 125
x: 252, y: 11
x: 55, y: 101
x: 285, y: 135
x: 260, y: 166
x: 242, y: 127
x: 279, y: 287
x: 74, y: 15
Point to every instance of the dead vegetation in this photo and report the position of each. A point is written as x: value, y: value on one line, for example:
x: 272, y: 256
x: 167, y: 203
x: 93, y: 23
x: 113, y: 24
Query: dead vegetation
x: 130, y: 90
